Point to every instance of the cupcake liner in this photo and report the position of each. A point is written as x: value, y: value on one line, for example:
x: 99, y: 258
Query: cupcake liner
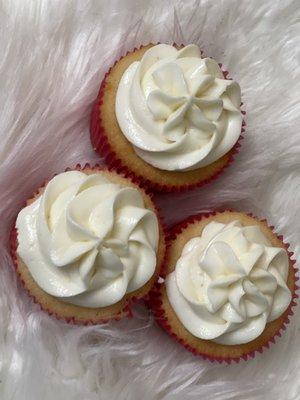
x: 126, y: 311
x: 154, y: 301
x: 102, y: 146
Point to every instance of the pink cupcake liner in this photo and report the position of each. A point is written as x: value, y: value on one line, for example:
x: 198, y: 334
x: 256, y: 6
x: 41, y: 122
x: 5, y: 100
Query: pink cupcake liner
x: 127, y: 310
x: 155, y: 303
x: 102, y: 146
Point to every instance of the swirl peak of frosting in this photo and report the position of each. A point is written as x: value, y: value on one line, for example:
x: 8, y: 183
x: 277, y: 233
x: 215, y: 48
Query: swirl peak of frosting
x: 87, y: 240
x: 177, y: 109
x: 228, y: 283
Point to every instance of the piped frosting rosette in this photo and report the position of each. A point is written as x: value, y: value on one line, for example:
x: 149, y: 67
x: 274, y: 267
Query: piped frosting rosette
x: 177, y: 110
x: 88, y: 241
x: 229, y: 283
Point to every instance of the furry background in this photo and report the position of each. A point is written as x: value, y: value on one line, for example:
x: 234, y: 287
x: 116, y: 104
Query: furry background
x: 53, y: 57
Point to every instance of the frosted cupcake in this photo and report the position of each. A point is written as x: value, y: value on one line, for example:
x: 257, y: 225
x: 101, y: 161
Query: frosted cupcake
x: 229, y: 286
x: 168, y: 116
x: 87, y: 245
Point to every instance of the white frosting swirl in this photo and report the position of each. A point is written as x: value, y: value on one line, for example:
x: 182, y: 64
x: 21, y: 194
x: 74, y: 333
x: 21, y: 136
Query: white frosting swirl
x: 177, y: 110
x: 88, y: 241
x: 228, y: 283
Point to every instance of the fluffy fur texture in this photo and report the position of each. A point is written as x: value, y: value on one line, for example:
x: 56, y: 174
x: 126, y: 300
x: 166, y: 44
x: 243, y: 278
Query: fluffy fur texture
x: 53, y: 57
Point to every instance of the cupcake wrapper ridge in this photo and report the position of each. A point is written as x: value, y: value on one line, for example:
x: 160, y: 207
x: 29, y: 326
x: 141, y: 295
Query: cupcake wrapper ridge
x: 102, y: 146
x: 127, y: 310
x: 155, y: 304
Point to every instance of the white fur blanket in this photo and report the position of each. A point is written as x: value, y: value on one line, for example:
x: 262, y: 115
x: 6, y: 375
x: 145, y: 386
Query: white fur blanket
x: 53, y: 57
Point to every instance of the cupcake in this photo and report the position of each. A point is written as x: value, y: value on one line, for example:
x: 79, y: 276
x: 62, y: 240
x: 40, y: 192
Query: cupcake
x: 169, y: 116
x: 88, y: 244
x: 228, y: 287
